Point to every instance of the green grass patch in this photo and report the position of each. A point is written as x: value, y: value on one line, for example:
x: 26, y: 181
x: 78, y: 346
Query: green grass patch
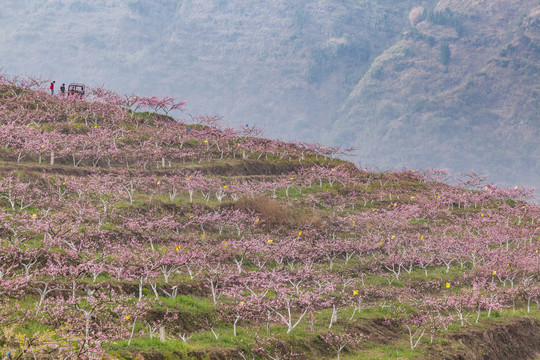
x: 170, y: 349
x: 200, y: 305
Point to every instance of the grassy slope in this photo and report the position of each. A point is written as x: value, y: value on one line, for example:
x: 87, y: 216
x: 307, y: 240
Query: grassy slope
x: 371, y: 196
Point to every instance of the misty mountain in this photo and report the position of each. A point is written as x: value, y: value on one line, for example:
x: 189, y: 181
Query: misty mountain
x: 459, y: 89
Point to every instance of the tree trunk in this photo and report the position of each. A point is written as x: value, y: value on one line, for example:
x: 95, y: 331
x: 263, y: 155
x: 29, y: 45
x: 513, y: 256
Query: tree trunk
x: 162, y: 336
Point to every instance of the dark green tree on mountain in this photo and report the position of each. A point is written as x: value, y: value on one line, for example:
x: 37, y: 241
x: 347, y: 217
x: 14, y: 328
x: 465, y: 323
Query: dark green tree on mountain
x: 445, y: 54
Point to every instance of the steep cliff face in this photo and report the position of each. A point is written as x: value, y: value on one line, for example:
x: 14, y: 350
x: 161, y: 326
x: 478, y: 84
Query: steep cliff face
x: 460, y: 90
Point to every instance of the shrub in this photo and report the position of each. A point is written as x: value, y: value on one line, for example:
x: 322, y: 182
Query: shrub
x: 445, y: 54
x: 270, y: 210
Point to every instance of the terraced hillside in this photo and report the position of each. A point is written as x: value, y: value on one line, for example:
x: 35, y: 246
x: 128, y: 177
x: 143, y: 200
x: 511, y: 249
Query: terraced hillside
x: 128, y: 235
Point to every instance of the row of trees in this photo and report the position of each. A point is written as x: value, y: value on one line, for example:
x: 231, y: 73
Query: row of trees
x: 106, y: 130
x: 65, y: 238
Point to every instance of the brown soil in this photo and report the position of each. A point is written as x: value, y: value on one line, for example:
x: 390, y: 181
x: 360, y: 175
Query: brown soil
x: 250, y: 167
x: 378, y: 331
x: 517, y: 340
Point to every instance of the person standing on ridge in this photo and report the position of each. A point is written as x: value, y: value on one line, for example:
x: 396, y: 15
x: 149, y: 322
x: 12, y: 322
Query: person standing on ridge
x: 52, y: 87
x: 63, y: 89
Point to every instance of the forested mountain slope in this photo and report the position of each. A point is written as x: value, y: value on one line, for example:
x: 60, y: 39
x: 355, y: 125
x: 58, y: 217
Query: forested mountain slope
x: 461, y: 89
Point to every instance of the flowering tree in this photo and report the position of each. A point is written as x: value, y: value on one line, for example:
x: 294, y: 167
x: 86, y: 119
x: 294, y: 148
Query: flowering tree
x: 341, y: 341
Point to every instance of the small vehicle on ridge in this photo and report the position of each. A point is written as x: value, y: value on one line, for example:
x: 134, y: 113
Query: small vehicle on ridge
x: 76, y: 89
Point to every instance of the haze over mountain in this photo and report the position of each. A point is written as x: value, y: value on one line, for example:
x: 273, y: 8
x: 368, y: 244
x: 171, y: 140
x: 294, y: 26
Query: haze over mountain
x: 459, y: 89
